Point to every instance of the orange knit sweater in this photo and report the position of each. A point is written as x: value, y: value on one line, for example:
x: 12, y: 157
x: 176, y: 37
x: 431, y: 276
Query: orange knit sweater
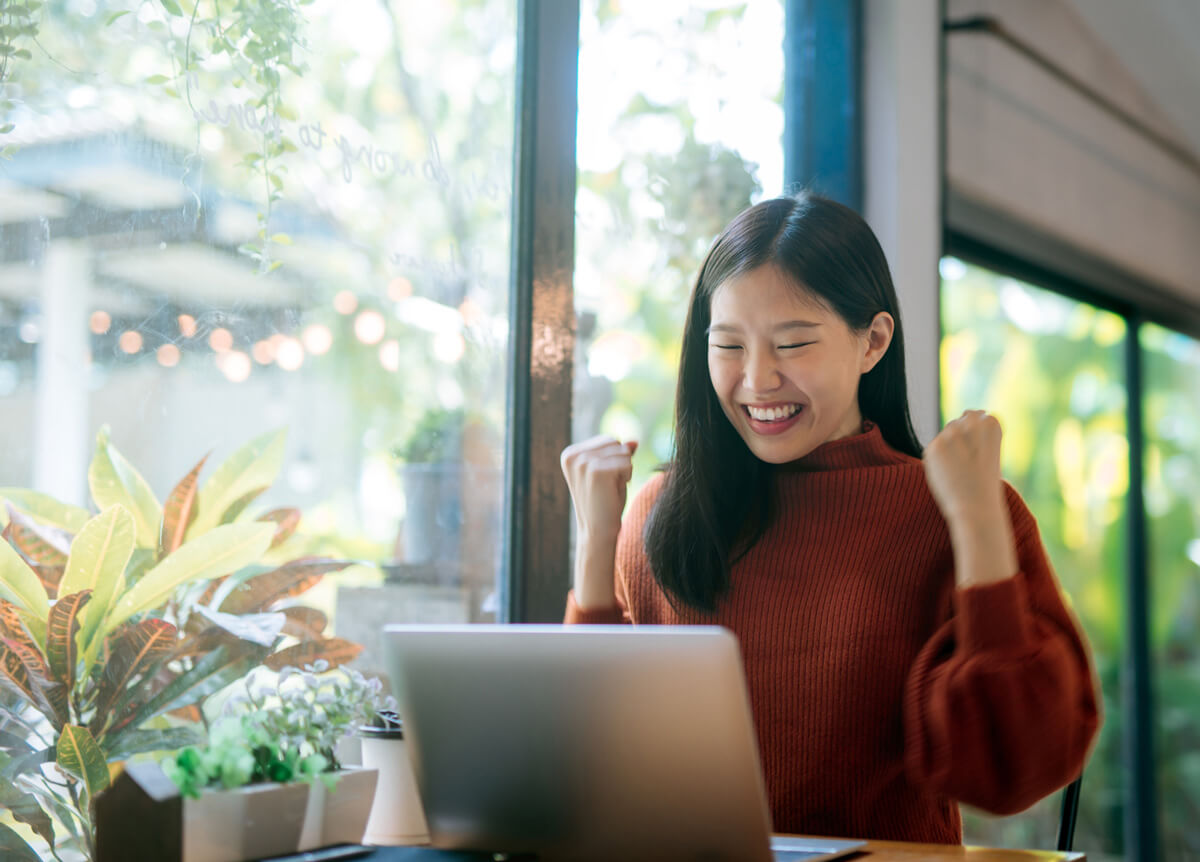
x: 882, y: 695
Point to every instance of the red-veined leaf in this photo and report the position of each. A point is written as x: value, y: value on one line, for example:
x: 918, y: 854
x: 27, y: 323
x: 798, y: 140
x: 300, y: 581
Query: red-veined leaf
x: 51, y: 577
x: 336, y: 651
x: 11, y: 624
x: 179, y: 511
x: 24, y: 669
x: 304, y: 624
x: 239, y: 505
x: 210, y: 674
x: 79, y: 755
x: 42, y: 544
x: 61, y: 648
x: 187, y: 713
x: 132, y: 652
x: 287, y: 519
x: 261, y: 591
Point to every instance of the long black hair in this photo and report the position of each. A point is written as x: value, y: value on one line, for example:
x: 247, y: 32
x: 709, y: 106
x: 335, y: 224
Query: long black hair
x: 716, y: 500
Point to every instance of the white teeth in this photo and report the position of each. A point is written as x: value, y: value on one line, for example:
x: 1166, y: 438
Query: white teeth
x: 772, y: 414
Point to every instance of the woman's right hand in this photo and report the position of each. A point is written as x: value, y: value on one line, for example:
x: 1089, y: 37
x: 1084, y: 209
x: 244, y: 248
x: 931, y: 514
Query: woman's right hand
x: 598, y: 473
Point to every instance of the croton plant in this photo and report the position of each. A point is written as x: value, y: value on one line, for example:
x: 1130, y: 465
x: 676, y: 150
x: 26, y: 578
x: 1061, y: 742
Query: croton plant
x: 117, y: 624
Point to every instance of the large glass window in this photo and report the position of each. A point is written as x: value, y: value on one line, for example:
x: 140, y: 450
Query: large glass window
x: 680, y: 128
x: 1051, y: 369
x: 280, y: 224
x: 1171, y: 408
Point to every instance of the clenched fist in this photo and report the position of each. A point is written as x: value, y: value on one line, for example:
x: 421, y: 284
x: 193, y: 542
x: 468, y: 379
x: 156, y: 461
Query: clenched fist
x: 598, y: 473
x: 962, y: 468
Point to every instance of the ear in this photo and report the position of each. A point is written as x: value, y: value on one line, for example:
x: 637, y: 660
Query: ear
x: 878, y: 337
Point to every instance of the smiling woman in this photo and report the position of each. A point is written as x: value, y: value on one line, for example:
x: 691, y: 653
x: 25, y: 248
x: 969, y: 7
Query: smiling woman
x: 905, y: 640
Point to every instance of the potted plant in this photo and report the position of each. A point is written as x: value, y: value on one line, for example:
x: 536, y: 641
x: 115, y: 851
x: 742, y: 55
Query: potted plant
x: 117, y: 626
x: 451, y: 489
x: 268, y: 781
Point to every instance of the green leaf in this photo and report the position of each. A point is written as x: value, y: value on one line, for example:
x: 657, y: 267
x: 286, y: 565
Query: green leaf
x: 61, y: 647
x: 215, y: 671
x: 24, y: 763
x: 20, y: 585
x: 172, y: 7
x: 114, y: 16
x: 25, y: 808
x: 253, y: 466
x: 240, y: 505
x: 98, y: 558
x: 79, y: 755
x: 179, y: 510
x: 6, y: 128
x: 281, y: 239
x: 14, y: 848
x: 157, y: 79
x: 217, y: 552
x: 46, y: 509
x: 143, y: 741
x: 113, y: 480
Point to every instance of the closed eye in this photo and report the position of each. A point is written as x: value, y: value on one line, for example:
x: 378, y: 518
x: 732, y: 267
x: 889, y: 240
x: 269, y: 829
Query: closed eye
x: 801, y: 344
x: 726, y: 346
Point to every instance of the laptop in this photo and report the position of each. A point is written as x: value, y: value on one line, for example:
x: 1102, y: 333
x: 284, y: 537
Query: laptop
x: 587, y: 743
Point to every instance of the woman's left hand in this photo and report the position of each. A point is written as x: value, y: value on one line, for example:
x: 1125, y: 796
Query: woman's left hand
x: 962, y: 468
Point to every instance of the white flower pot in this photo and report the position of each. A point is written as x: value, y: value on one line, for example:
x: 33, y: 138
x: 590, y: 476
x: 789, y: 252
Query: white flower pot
x: 244, y: 823
x: 396, y: 815
x: 339, y: 816
x: 273, y: 819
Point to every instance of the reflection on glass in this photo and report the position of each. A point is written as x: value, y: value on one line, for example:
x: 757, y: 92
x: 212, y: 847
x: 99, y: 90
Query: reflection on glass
x: 680, y: 128
x: 1051, y: 370
x: 294, y: 227
x: 1172, y: 470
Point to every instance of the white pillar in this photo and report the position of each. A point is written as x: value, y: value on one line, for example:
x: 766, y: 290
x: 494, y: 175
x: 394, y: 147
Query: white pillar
x: 902, y: 178
x: 61, y: 450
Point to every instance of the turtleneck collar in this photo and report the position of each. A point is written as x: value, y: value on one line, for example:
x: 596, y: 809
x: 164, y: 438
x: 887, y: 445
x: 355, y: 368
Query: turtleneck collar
x: 866, y: 449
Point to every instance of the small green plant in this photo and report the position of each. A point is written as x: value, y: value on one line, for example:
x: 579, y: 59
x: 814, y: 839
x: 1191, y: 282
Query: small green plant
x: 437, y: 438
x: 116, y: 627
x: 286, y: 731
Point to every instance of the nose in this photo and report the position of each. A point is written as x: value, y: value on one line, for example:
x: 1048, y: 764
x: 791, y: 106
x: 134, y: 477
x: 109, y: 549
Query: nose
x: 760, y: 373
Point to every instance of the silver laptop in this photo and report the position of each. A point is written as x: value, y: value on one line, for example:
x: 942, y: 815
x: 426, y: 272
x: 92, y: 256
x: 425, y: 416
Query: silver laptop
x: 587, y: 743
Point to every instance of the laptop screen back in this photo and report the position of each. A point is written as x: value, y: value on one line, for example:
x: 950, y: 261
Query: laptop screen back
x: 582, y: 742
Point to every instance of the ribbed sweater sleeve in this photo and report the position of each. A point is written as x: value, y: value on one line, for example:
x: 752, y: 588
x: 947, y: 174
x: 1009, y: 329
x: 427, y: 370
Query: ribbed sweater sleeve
x: 1000, y: 706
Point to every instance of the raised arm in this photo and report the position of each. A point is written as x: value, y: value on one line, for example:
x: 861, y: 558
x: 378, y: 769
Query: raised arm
x: 1001, y: 706
x: 597, y: 473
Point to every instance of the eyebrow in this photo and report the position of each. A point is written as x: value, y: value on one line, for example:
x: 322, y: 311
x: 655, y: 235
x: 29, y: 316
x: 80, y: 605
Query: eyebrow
x: 787, y: 324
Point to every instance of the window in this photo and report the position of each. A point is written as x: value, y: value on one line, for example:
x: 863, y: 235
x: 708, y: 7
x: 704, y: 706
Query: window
x: 1172, y: 470
x: 1052, y: 370
x: 680, y: 128
x: 286, y: 223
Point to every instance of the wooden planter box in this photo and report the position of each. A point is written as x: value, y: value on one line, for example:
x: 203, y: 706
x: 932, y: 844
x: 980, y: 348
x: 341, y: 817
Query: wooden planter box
x: 142, y: 816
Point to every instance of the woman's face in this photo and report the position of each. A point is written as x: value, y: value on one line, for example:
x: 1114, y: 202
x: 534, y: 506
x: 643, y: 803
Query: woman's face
x: 786, y: 368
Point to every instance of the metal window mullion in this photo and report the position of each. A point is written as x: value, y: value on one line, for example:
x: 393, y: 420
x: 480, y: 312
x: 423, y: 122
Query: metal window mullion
x: 1141, y: 814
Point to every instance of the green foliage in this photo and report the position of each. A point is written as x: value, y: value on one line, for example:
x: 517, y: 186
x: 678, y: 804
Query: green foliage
x: 438, y: 437
x: 282, y: 732
x: 18, y: 22
x: 114, y: 632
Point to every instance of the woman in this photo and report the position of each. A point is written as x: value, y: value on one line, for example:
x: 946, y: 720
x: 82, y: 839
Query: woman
x: 905, y: 643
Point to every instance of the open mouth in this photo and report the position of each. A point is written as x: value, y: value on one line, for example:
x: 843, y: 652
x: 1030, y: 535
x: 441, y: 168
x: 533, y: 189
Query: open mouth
x: 773, y: 414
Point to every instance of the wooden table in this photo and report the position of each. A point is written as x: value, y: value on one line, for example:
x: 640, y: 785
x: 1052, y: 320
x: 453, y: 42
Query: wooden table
x: 875, y: 851
x: 903, y: 851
